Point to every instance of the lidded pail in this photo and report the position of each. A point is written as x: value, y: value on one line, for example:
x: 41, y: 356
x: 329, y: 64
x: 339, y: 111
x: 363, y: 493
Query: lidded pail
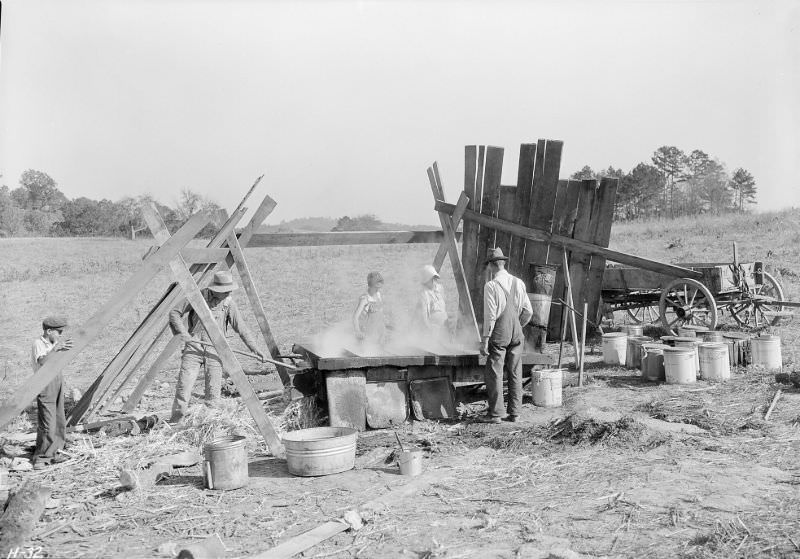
x: 653, y: 362
x: 679, y: 365
x: 714, y: 361
x: 615, y: 345
x: 690, y: 343
x: 633, y: 352
x: 766, y: 351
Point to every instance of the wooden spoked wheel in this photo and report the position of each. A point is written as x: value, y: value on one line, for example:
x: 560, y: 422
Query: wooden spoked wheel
x: 646, y: 315
x: 687, y: 302
x: 754, y: 313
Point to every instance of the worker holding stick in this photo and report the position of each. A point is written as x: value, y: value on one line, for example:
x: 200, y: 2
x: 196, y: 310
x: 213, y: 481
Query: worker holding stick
x: 506, y: 309
x: 51, y: 431
x: 198, y: 350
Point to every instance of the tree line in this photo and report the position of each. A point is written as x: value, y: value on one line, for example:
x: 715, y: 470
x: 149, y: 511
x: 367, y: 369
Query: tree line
x: 38, y: 208
x: 675, y: 183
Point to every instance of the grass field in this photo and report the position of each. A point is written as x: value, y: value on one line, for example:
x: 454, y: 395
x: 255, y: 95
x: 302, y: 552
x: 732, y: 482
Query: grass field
x: 624, y: 469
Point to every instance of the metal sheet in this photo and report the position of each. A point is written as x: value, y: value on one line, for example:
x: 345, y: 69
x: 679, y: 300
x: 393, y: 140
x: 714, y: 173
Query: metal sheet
x: 387, y: 404
x: 432, y: 399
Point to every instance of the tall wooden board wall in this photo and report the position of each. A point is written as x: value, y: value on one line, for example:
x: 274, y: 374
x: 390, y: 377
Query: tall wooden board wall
x: 572, y: 208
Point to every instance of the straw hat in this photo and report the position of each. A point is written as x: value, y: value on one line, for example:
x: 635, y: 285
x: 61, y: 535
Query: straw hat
x: 428, y: 273
x: 223, y: 283
x: 494, y: 255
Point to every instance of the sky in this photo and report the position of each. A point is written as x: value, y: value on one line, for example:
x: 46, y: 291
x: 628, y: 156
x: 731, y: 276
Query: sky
x: 343, y: 104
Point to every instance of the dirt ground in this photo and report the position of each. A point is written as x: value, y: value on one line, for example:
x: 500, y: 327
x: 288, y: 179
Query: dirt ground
x: 623, y: 469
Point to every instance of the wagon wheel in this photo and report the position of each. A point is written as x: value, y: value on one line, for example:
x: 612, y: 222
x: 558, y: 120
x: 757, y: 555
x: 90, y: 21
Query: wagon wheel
x: 686, y: 301
x: 646, y: 314
x: 751, y: 313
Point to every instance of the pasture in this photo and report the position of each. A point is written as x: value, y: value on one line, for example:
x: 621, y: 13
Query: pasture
x: 624, y: 469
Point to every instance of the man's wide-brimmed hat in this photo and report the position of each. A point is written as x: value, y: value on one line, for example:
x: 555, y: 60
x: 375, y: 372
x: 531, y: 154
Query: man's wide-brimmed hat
x: 428, y: 273
x: 223, y: 282
x: 494, y: 255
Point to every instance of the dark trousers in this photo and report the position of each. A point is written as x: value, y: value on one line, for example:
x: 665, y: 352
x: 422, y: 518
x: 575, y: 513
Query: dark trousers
x: 509, y: 359
x: 191, y: 362
x: 51, y: 432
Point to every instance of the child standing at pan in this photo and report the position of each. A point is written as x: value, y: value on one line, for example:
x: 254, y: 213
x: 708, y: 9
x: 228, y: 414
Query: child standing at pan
x: 369, y: 322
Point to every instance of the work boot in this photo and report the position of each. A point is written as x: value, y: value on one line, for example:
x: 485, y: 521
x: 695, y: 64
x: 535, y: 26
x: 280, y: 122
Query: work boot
x: 510, y: 418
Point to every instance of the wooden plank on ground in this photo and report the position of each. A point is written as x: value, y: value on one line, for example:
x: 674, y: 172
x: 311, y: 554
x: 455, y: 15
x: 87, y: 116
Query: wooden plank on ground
x: 255, y: 305
x: 506, y: 211
x: 466, y: 309
x: 527, y: 157
x: 593, y: 284
x: 83, y: 335
x: 543, y: 198
x: 572, y: 244
x: 489, y: 206
x: 230, y: 364
x: 262, y: 239
x: 265, y: 208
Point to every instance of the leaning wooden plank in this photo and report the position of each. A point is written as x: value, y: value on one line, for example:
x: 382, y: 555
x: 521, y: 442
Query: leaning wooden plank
x: 464, y: 299
x: 204, y: 255
x: 527, y: 156
x: 486, y: 236
x: 255, y: 305
x: 441, y: 253
x: 264, y: 209
x: 543, y: 200
x: 22, y: 513
x: 473, y: 260
x: 535, y: 200
x: 469, y: 245
x: 85, y: 334
x: 151, y: 323
x: 565, y: 229
x: 506, y: 210
x: 230, y: 364
x: 606, y: 198
x: 554, y: 259
x: 579, y: 260
x: 573, y: 244
x: 263, y: 239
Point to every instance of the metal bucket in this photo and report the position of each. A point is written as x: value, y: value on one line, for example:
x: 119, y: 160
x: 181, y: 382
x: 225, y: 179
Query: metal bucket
x: 712, y: 336
x: 652, y: 362
x: 320, y: 451
x: 225, y: 464
x: 410, y: 462
x: 633, y: 353
x: 679, y: 366
x: 632, y: 329
x: 542, y: 278
x: 714, y: 362
x: 691, y: 343
x: 615, y: 345
x: 766, y: 351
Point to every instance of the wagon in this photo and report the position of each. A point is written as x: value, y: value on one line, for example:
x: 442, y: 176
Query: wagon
x: 745, y: 291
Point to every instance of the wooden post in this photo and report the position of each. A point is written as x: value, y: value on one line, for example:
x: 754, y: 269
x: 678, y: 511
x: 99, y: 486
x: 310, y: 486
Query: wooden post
x: 570, y: 312
x: 83, y: 335
x: 464, y: 299
x: 441, y: 252
x: 583, y: 343
x: 255, y: 304
x: 264, y: 209
x: 229, y: 362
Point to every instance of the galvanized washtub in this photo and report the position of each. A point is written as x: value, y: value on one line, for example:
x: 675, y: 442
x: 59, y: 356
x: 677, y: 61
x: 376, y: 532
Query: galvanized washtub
x: 320, y: 451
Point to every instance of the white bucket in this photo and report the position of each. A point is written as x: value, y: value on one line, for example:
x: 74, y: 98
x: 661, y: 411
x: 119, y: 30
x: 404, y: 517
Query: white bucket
x: 633, y: 353
x: 653, y: 362
x: 632, y: 329
x: 615, y: 346
x: 410, y: 462
x: 766, y: 351
x: 714, y: 361
x: 679, y: 367
x: 546, y: 388
x: 691, y: 343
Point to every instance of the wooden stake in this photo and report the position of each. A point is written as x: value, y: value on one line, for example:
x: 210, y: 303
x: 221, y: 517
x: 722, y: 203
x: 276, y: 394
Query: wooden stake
x: 583, y: 343
x: 571, y: 308
x: 229, y: 363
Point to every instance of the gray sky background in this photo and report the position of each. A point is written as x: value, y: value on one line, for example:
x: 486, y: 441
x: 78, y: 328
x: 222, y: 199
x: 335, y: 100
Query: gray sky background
x: 343, y: 104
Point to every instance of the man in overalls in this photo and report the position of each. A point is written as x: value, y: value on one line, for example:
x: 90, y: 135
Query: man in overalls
x: 196, y: 355
x: 506, y: 309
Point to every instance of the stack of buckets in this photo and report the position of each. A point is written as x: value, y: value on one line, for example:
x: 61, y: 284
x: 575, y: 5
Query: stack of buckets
x: 696, y: 352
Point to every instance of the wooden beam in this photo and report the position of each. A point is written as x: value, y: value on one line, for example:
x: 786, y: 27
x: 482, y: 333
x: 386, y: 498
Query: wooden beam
x: 543, y: 198
x: 464, y: 299
x: 527, y: 157
x: 264, y: 239
x: 564, y: 227
x: 441, y: 253
x: 265, y: 208
x: 506, y: 210
x: 83, y: 335
x: 473, y: 186
x: 255, y: 305
x: 230, y: 364
x: 204, y: 255
x: 486, y: 236
x: 152, y: 323
x: 574, y: 244
x: 606, y: 197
